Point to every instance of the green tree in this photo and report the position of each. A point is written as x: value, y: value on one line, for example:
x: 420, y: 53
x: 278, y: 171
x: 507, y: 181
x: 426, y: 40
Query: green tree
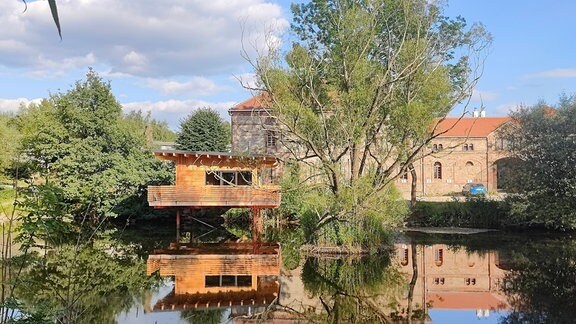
x: 152, y: 129
x: 543, y: 142
x: 541, y: 287
x: 203, y: 130
x: 80, y: 143
x: 359, y: 94
x: 9, y: 142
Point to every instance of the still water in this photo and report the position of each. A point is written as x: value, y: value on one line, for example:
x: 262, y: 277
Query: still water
x: 144, y: 276
x: 425, y: 278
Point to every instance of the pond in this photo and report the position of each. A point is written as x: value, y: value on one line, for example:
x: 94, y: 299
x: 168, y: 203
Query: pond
x: 494, y: 277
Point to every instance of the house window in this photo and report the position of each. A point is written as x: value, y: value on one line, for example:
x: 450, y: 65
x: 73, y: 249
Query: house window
x: 227, y: 281
x: 439, y: 280
x: 437, y: 170
x: 404, y: 260
x: 440, y: 147
x: 439, y: 256
x: 435, y: 148
x: 228, y: 178
x: 465, y: 147
x: 404, y: 177
x: 470, y: 281
x: 270, y: 139
x: 470, y: 147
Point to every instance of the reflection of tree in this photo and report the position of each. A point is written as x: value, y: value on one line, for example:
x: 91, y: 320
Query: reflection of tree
x: 351, y: 290
x: 542, y: 286
x: 211, y: 316
x: 82, y: 284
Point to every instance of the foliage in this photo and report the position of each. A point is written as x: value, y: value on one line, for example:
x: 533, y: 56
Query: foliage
x: 542, y: 284
x: 543, y: 141
x: 212, y: 316
x: 351, y: 290
x: 9, y: 140
x: 82, y: 284
x: 359, y: 94
x: 203, y: 130
x: 152, y: 129
x: 45, y: 221
x: 80, y: 143
x: 475, y: 212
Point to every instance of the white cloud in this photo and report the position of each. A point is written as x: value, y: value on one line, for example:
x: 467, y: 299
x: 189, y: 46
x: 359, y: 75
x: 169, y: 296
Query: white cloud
x: 247, y: 80
x: 12, y: 105
x: 172, y: 111
x: 554, y: 74
x: 197, y: 86
x: 505, y: 109
x: 481, y: 96
x: 146, y: 38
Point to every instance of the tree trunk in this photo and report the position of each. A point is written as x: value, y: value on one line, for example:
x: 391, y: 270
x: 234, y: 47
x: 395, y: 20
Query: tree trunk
x: 413, y: 185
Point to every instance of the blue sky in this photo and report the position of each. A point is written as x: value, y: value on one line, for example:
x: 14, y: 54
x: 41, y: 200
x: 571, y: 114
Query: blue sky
x: 173, y: 56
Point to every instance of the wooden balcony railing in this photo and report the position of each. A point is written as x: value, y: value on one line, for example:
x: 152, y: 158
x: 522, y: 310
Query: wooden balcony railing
x: 214, y: 196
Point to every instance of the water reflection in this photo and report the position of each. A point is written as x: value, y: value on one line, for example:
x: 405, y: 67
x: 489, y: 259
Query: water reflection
x: 241, y: 278
x: 444, y: 277
x: 423, y: 279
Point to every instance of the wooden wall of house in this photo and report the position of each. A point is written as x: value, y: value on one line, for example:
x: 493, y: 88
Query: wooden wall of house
x: 191, y: 170
x: 190, y: 272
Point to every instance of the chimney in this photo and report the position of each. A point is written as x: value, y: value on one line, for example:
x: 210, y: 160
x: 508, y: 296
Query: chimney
x: 482, y: 113
x: 475, y: 113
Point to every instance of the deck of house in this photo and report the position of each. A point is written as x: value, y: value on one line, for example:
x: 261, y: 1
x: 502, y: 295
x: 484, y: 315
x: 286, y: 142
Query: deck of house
x: 215, y: 196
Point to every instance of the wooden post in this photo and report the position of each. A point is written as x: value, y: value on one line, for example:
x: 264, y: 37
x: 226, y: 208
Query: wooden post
x: 178, y: 226
x: 256, y: 224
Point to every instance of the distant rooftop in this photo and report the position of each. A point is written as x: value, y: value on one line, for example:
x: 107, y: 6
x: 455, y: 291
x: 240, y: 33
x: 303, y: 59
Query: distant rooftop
x: 470, y: 127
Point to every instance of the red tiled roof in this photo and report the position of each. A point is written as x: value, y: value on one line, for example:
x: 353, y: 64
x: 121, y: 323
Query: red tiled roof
x: 466, y: 300
x: 255, y: 103
x: 454, y: 127
x: 470, y: 127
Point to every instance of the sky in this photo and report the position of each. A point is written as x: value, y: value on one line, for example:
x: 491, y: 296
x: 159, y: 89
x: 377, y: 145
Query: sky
x: 171, y: 57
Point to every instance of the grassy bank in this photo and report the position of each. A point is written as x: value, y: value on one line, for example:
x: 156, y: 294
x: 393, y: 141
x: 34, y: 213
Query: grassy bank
x: 473, y: 212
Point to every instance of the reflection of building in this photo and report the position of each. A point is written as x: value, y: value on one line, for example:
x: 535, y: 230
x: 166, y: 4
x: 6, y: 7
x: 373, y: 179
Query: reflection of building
x: 236, y: 275
x: 450, y: 278
x: 466, y: 149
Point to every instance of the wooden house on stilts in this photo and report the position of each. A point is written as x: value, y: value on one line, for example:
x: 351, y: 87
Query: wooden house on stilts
x: 218, y: 180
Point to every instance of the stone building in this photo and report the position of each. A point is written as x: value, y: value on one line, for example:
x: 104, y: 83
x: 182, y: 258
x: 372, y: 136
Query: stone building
x: 466, y: 149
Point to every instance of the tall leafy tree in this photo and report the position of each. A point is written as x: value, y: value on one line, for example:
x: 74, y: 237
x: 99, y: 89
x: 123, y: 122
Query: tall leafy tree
x: 360, y: 91
x: 542, y: 140
x: 203, y: 130
x: 9, y: 141
x: 152, y: 129
x: 81, y: 145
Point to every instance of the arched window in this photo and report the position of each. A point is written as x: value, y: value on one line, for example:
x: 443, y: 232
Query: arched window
x: 437, y: 170
x: 440, y: 147
x: 404, y: 260
x: 439, y: 256
x: 465, y: 147
x: 470, y: 147
x: 435, y: 148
